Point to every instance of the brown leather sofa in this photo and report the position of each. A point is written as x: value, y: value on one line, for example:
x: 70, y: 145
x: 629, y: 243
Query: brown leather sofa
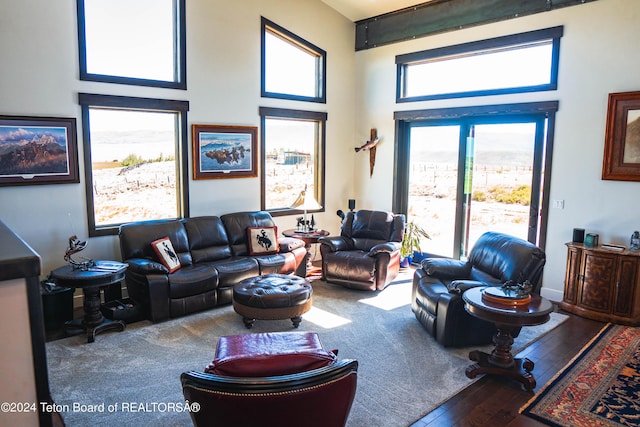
x: 214, y: 255
x: 366, y: 255
x: 438, y: 285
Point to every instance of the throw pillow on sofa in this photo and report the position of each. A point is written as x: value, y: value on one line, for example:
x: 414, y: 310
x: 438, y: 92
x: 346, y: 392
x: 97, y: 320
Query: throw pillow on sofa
x: 166, y: 254
x: 263, y: 240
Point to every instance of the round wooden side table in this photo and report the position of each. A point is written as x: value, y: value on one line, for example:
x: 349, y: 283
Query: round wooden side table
x: 104, y: 273
x: 309, y: 238
x: 506, y: 319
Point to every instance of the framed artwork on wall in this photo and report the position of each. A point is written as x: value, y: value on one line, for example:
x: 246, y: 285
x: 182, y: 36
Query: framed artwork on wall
x: 38, y: 150
x: 621, y: 160
x: 221, y: 151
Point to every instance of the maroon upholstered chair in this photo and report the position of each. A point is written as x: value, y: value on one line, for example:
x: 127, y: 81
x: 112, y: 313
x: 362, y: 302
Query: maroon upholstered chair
x: 366, y: 255
x: 321, y: 397
x: 272, y: 379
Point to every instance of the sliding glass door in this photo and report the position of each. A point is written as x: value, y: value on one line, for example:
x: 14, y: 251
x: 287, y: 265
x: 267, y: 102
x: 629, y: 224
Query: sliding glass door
x: 466, y: 176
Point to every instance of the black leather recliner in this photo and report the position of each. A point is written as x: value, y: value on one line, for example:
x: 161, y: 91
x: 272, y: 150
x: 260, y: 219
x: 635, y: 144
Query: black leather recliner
x: 366, y: 255
x: 436, y: 299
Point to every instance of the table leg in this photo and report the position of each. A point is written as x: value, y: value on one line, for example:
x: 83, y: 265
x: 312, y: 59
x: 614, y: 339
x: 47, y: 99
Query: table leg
x: 501, y: 361
x: 91, y: 305
x: 93, y: 321
x: 307, y: 246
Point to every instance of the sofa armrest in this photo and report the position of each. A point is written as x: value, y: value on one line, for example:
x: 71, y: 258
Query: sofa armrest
x: 145, y: 266
x: 158, y: 297
x: 335, y: 243
x: 446, y: 268
x: 288, y: 244
x: 148, y: 281
x: 387, y: 247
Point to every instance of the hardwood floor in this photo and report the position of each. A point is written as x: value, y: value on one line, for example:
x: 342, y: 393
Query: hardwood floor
x: 495, y: 401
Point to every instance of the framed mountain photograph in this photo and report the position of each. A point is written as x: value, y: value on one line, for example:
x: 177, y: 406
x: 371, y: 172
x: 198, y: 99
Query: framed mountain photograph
x: 38, y: 150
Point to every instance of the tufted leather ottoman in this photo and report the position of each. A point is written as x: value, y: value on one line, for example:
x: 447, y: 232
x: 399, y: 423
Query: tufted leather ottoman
x: 271, y: 297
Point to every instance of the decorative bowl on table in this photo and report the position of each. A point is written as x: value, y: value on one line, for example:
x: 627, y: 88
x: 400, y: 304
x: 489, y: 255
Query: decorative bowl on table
x: 509, y: 295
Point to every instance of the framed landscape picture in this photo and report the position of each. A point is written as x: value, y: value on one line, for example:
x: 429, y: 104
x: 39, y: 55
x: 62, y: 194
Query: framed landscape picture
x: 38, y: 150
x: 224, y: 151
x: 621, y: 159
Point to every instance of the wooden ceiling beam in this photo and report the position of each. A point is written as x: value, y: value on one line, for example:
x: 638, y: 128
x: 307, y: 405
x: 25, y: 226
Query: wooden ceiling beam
x: 440, y: 16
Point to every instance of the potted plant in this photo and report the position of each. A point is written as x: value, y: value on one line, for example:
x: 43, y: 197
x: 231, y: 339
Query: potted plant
x: 413, y: 234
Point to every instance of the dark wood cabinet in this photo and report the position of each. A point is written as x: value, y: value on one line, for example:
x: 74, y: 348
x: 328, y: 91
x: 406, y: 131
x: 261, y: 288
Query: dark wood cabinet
x: 602, y: 284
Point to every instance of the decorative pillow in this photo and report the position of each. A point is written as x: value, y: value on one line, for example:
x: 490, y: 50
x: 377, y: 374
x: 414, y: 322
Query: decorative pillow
x: 166, y: 254
x: 269, y: 354
x: 263, y: 240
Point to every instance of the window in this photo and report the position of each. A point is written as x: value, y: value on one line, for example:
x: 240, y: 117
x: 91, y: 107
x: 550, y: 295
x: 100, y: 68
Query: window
x: 135, y: 156
x: 138, y: 42
x: 292, y: 157
x: 518, y: 63
x: 292, y: 68
x: 463, y: 171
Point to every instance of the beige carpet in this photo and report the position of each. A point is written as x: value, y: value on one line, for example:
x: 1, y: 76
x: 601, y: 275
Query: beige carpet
x: 132, y: 378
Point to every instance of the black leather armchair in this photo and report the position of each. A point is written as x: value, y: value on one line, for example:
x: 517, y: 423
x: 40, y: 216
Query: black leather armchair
x: 437, y: 287
x: 366, y: 255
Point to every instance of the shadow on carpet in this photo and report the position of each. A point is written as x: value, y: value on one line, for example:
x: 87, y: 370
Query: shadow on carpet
x: 133, y: 377
x: 599, y: 387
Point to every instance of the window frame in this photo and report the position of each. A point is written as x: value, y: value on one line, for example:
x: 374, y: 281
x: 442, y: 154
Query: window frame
x: 180, y: 61
x: 88, y: 101
x: 321, y: 67
x: 319, y: 166
x: 511, y: 41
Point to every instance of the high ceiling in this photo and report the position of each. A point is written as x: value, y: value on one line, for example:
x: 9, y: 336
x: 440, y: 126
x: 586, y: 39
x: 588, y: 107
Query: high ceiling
x: 356, y: 10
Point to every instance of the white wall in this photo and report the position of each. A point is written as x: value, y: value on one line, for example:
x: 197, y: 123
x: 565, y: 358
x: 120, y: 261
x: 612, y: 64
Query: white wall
x: 598, y: 56
x: 39, y: 77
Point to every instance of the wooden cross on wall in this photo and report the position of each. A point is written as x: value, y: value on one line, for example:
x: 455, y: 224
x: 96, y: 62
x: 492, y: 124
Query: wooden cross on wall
x: 371, y: 147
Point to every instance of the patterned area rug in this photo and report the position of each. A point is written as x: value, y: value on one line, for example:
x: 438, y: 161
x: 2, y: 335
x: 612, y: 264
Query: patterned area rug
x: 599, y: 387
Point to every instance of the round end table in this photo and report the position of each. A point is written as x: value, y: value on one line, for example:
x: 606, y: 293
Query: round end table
x: 309, y: 238
x: 506, y: 319
x: 102, y: 274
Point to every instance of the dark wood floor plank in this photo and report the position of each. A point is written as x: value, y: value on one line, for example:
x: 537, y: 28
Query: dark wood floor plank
x: 493, y: 401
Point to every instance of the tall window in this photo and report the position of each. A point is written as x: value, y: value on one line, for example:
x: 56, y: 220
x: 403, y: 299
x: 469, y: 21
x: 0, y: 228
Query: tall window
x: 292, y: 157
x: 523, y: 62
x: 140, y: 42
x: 292, y: 68
x: 135, y: 158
